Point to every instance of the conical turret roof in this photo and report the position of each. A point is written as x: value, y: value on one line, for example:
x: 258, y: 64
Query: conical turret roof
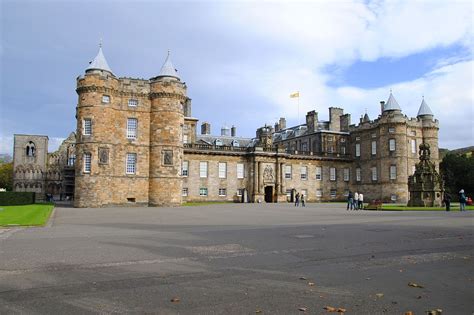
x: 391, y: 104
x: 424, y: 110
x: 168, y: 70
x: 99, y: 62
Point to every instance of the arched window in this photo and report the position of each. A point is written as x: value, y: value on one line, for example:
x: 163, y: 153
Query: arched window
x: 30, y: 149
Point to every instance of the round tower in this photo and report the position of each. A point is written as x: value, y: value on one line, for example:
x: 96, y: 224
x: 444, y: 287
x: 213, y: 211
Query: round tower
x: 97, y: 97
x: 167, y: 96
x: 430, y: 129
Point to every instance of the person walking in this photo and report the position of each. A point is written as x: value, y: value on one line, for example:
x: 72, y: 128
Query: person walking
x: 447, y: 201
x: 297, y: 199
x: 350, y: 201
x: 361, y: 200
x: 462, y: 200
x: 356, y: 201
x: 302, y: 200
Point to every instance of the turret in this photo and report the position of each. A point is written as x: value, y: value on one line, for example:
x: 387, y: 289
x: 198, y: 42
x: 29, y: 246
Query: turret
x: 425, y: 111
x: 167, y: 95
x: 391, y: 105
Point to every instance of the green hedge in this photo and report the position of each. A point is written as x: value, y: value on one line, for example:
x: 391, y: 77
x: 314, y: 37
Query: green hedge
x: 10, y: 198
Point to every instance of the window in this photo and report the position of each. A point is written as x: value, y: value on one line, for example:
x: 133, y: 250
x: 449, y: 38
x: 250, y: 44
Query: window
x: 30, y: 149
x: 288, y: 193
x: 203, y: 170
x: 240, y: 170
x: 374, y: 173
x: 357, y: 149
x: 185, y: 168
x: 333, y: 193
x: 358, y: 174
x: 393, y: 172
x: 373, y: 135
x: 346, y: 174
x: 87, y: 127
x: 288, y: 171
x: 71, y: 160
x: 185, y: 138
x: 184, y: 192
x: 393, y: 197
x: 413, y: 133
x: 357, y: 138
x: 203, y: 191
x: 330, y: 138
x: 87, y: 162
x: 105, y: 99
x: 332, y: 173
x: 304, y: 172
x: 218, y: 142
x: 222, y: 170
x: 222, y: 192
x: 391, y: 129
x: 240, y: 192
x: 133, y: 102
x: 374, y: 147
x: 319, y: 173
x: 330, y: 149
x: 131, y: 163
x: 391, y: 145
x: 235, y: 143
x: 343, y: 150
x: 132, y: 128
x: 413, y: 146
x: 319, y: 193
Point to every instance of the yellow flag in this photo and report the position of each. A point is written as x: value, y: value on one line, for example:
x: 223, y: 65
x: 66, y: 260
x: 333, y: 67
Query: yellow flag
x: 295, y: 94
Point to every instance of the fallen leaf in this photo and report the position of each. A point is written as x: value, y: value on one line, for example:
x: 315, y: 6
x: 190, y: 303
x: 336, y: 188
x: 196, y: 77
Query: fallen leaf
x: 341, y: 310
x: 414, y: 285
x: 434, y: 312
x: 303, y: 278
x: 330, y: 308
x: 258, y: 311
x: 175, y: 300
x: 311, y: 284
x: 379, y: 295
x: 303, y: 309
x: 409, y: 313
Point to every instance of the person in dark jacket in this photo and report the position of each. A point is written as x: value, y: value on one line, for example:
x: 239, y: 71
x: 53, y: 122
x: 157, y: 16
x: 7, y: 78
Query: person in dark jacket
x: 350, y: 200
x: 447, y: 201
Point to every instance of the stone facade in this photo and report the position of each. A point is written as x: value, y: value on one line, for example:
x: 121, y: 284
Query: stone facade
x: 137, y: 144
x: 36, y: 170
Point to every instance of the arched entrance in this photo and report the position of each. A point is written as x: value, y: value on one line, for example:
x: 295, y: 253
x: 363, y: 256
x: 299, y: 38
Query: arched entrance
x: 268, y: 193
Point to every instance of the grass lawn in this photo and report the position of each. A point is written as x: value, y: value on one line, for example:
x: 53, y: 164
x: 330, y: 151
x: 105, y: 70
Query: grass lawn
x: 454, y: 207
x: 205, y: 203
x: 35, y: 214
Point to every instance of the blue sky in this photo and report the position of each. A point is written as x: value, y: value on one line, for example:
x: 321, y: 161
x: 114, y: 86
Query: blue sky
x: 241, y: 60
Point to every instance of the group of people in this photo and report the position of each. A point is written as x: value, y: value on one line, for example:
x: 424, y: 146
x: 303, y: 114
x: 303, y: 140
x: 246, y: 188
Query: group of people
x: 462, y: 200
x: 299, y: 198
x: 355, y: 201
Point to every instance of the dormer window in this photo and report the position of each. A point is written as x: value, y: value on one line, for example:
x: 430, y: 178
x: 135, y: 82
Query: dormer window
x: 218, y: 142
x: 235, y: 143
x: 105, y: 99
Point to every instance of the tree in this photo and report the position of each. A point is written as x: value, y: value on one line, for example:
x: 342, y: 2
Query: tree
x: 6, y: 176
x: 458, y: 173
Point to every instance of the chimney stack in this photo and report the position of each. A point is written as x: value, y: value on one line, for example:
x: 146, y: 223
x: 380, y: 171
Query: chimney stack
x: 233, y: 131
x: 382, y: 105
x: 282, y: 123
x: 205, y: 128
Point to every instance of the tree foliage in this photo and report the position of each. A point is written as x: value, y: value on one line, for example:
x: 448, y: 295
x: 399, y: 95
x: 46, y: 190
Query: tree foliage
x: 458, y: 173
x: 6, y: 176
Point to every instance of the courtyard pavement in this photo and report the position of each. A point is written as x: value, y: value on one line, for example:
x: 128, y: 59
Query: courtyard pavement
x: 239, y: 259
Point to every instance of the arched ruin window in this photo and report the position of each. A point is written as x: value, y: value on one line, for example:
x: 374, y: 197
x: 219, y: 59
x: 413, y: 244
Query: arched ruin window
x: 30, y: 149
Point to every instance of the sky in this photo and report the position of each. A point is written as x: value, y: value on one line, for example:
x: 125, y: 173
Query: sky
x: 242, y: 59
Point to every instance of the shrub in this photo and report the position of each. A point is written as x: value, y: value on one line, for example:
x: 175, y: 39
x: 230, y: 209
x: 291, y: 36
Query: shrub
x: 10, y: 198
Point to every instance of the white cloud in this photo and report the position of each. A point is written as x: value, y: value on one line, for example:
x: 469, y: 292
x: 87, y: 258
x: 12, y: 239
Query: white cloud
x: 342, y: 32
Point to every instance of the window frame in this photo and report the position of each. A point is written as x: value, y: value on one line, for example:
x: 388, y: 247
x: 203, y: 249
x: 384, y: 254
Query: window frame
x: 105, y: 99
x: 288, y: 175
x: 130, y: 169
x: 132, y: 102
x: 392, y: 145
x: 87, y: 167
x: 222, y: 170
x: 203, y: 168
x: 240, y: 170
x: 357, y: 149
x: 346, y: 174
x: 132, y: 129
x: 203, y: 192
x: 185, y: 168
x: 393, y: 172
x: 374, y: 174
x: 85, y: 126
x: 304, y: 175
x: 358, y: 174
x: 332, y: 174
x: 319, y: 171
x: 222, y: 192
x: 373, y: 147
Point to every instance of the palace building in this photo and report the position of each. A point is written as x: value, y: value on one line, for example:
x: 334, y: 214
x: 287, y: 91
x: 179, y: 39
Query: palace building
x: 137, y: 143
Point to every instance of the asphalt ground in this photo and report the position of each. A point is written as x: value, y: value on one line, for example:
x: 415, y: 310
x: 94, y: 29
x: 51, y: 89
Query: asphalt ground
x: 239, y: 259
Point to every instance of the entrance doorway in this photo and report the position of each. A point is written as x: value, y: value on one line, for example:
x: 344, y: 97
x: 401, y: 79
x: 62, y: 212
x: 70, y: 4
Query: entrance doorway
x: 269, y: 194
